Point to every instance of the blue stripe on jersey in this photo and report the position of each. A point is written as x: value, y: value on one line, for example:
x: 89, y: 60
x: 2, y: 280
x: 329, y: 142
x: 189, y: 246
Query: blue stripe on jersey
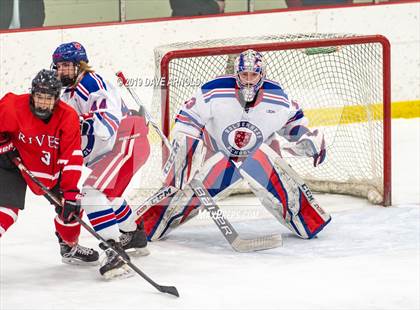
x: 100, y: 78
x: 191, y: 118
x: 103, y: 121
x: 275, y: 102
x: 113, y: 117
x: 188, y: 124
x: 91, y: 84
x: 273, y: 88
x: 81, y: 94
x: 221, y: 82
x: 219, y: 96
x: 298, y: 115
x: 271, y: 85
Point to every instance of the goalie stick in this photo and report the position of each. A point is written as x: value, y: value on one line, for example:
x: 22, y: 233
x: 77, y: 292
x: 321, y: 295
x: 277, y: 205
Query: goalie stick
x: 161, y: 288
x: 237, y: 243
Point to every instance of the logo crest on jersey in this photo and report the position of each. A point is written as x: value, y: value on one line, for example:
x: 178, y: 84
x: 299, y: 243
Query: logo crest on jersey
x: 242, y: 138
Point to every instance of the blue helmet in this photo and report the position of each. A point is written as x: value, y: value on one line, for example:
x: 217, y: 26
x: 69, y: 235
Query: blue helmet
x: 249, y: 61
x: 73, y: 51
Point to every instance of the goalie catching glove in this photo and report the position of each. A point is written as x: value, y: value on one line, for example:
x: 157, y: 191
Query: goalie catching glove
x: 310, y: 144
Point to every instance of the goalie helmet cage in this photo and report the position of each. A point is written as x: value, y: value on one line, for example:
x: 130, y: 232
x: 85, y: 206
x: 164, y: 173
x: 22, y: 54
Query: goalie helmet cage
x: 341, y: 81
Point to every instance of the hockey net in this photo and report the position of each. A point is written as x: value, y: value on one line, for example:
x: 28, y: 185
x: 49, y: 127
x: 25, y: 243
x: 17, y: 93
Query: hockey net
x: 342, y: 83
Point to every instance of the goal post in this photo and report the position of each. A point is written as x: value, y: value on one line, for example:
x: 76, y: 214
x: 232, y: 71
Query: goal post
x: 341, y: 81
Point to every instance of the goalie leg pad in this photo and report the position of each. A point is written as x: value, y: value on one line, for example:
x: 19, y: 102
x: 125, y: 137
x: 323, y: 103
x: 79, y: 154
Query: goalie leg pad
x: 218, y: 174
x: 281, y: 195
x: 172, y: 212
x: 185, y: 159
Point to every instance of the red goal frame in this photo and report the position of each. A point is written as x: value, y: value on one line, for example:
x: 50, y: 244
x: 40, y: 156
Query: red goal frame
x: 386, y: 58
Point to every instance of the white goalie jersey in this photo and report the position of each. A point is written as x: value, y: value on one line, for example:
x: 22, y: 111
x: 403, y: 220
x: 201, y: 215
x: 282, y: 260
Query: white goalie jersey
x: 216, y: 115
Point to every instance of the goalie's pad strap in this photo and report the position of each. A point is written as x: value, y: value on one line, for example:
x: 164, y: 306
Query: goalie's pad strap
x: 273, y: 186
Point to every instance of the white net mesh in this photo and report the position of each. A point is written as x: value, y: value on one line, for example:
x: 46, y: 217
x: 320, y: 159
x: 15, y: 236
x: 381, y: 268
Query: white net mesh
x: 339, y: 87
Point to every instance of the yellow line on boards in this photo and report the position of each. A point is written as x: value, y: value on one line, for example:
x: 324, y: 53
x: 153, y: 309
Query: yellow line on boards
x: 358, y: 114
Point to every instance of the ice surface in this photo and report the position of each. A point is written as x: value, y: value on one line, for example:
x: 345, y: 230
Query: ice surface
x: 366, y: 258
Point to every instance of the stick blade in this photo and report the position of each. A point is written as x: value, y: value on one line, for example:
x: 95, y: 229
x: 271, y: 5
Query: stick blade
x: 257, y: 244
x: 169, y: 290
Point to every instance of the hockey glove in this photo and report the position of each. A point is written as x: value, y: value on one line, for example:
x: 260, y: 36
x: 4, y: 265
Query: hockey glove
x: 69, y: 208
x: 7, y: 152
x: 311, y: 144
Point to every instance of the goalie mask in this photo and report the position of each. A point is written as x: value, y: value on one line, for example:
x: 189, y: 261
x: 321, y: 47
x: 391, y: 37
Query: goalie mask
x: 249, y: 73
x: 45, y: 92
x: 67, y: 54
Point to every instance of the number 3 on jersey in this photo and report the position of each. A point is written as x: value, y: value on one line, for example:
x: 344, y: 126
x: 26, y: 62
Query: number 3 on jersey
x: 46, y: 158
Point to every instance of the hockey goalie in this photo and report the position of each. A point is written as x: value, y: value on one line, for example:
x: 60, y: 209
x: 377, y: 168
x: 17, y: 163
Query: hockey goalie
x: 223, y: 135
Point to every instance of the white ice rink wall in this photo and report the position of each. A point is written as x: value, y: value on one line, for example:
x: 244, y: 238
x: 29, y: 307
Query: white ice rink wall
x: 129, y: 47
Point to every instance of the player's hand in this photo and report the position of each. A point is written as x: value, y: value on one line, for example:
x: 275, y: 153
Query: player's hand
x: 6, y: 145
x: 7, y: 152
x: 69, y: 208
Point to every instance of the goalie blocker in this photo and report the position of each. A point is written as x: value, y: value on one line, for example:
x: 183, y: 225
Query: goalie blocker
x: 278, y: 191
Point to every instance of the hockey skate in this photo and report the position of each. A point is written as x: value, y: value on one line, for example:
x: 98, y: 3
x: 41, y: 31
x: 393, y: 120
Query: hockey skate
x: 113, y: 266
x: 77, y: 255
x: 135, y: 242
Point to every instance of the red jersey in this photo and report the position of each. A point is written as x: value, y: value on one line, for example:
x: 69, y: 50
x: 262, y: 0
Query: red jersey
x: 52, y: 150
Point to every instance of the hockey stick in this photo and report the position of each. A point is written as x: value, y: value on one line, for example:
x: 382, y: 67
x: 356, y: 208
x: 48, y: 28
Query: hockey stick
x: 149, y: 118
x: 161, y: 288
x: 238, y: 244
